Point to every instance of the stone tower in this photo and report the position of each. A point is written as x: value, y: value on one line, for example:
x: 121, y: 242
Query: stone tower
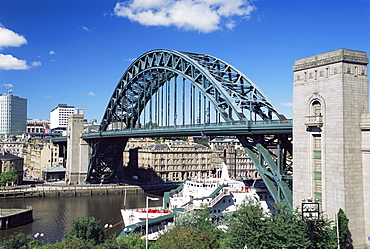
x: 77, y: 150
x: 331, y: 137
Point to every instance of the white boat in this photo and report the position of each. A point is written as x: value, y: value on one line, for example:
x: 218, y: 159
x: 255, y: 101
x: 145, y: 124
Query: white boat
x: 132, y: 216
x: 218, y: 192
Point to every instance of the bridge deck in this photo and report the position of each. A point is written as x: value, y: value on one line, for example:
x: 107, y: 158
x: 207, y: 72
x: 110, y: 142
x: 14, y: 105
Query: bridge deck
x: 208, y: 129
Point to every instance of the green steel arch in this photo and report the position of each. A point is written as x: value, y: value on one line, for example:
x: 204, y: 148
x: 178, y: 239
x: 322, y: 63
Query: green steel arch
x: 228, y: 89
x: 231, y: 93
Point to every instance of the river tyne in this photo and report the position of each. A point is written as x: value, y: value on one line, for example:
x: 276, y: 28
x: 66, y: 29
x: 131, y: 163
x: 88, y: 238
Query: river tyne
x: 53, y: 216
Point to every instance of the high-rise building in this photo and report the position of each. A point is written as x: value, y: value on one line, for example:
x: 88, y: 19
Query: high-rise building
x: 59, y: 116
x: 13, y: 114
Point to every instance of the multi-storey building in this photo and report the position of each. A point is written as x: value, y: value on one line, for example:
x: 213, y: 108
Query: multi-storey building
x: 9, y: 161
x: 37, y: 126
x: 13, y: 145
x: 13, y: 114
x: 40, y: 155
x: 59, y: 116
x: 238, y: 162
x: 172, y: 161
x: 180, y: 160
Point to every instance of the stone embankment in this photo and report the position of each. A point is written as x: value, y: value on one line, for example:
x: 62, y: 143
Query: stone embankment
x: 71, y: 190
x: 10, y: 218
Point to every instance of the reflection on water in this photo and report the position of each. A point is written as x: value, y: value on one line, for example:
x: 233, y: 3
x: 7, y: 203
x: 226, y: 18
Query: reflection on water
x: 53, y: 216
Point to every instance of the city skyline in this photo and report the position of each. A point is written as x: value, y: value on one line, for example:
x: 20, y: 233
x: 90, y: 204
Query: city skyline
x: 73, y: 52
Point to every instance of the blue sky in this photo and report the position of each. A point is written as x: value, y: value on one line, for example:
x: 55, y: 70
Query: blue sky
x: 75, y: 51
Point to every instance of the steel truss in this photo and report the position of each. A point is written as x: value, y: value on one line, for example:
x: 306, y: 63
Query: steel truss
x: 145, y: 83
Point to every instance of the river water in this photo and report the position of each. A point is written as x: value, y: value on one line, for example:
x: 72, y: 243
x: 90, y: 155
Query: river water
x: 53, y: 216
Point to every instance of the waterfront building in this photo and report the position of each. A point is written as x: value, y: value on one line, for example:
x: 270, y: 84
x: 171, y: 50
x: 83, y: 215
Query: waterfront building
x: 170, y: 161
x: 13, y: 144
x: 179, y: 160
x: 13, y: 114
x: 37, y: 126
x: 9, y: 161
x: 331, y: 132
x: 59, y: 116
x: 55, y: 173
x: 238, y: 162
x: 39, y: 155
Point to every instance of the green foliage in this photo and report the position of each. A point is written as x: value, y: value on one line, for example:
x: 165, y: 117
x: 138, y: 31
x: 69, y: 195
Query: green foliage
x: 133, y: 241
x: 87, y: 228
x: 345, y: 240
x: 247, y: 228
x: 17, y: 240
x: 203, y: 222
x: 249, y: 225
x: 256, y: 229
x: 185, y: 238
x: 160, y: 139
x: 203, y: 143
x: 9, y: 176
x: 287, y: 229
x: 72, y: 243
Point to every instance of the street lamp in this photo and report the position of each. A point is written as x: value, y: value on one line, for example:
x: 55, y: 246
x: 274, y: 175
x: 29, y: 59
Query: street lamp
x: 311, y: 215
x: 147, y: 218
x: 336, y: 213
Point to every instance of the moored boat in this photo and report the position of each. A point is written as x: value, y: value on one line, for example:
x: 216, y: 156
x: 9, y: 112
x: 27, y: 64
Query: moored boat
x: 218, y: 192
x: 131, y: 216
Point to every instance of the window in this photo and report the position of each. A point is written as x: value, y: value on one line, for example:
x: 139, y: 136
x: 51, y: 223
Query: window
x: 317, y: 167
x: 316, y: 108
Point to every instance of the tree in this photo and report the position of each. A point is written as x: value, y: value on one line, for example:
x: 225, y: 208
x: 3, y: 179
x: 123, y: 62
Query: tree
x: 133, y: 241
x: 345, y: 240
x: 287, y: 229
x: 15, y: 241
x: 9, y: 176
x: 255, y: 228
x: 247, y: 227
x: 185, y: 238
x: 198, y: 224
x: 201, y: 142
x: 87, y: 228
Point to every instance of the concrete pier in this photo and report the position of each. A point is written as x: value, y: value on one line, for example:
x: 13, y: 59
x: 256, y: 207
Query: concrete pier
x: 10, y: 218
x: 53, y: 191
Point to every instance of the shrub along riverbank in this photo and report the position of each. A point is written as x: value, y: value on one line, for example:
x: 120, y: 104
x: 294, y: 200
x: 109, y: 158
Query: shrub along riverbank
x: 249, y: 226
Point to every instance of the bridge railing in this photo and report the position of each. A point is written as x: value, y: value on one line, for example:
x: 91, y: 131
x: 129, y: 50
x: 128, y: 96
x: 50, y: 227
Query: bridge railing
x: 249, y: 124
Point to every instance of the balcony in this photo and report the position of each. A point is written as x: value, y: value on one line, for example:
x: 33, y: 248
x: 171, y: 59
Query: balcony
x: 314, y: 121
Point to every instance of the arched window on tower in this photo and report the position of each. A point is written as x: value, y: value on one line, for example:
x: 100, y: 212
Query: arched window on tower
x: 316, y: 108
x: 315, y: 118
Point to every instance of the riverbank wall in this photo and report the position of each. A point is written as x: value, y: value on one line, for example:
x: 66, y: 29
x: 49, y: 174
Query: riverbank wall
x: 10, y: 218
x: 53, y: 191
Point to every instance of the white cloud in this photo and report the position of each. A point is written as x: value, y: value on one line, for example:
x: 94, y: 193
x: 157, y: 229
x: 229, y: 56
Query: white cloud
x: 201, y: 15
x: 36, y: 63
x: 9, y: 38
x: 52, y: 52
x: 8, y: 85
x: 91, y: 93
x: 86, y: 28
x: 8, y: 62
